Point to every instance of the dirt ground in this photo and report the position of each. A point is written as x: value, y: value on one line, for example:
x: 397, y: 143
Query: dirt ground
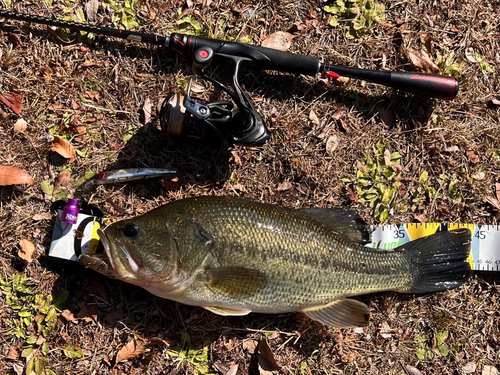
x: 100, y: 95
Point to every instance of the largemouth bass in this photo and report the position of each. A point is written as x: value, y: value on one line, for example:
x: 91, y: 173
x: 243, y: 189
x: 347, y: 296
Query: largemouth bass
x: 234, y: 256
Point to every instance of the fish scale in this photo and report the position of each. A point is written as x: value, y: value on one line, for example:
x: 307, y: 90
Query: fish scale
x: 234, y: 256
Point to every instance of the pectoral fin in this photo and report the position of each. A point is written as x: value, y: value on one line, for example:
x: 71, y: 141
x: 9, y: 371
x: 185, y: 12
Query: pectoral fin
x: 226, y: 311
x: 236, y: 282
x: 344, y: 313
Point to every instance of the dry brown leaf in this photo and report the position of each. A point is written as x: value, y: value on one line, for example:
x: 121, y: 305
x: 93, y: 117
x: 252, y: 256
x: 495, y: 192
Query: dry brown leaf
x: 489, y: 370
x: 222, y: 368
x: 27, y: 250
x: 280, y: 40
x: 237, y: 158
x: 132, y: 349
x: 91, y: 9
x: 63, y: 148
x: 14, y: 102
x: 44, y: 216
x: 479, y: 176
x: 20, y: 126
x: 421, y: 218
x: 386, y: 116
x: 87, y: 312
x: 426, y: 39
x: 338, y: 114
x: 469, y: 368
x: 497, y: 190
x: 493, y: 201
x: 80, y: 131
x: 386, y: 331
x: 313, y: 117
x: 4, y: 116
x: 69, y: 316
x: 147, y: 108
x: 361, y: 166
x: 265, y: 359
x: 286, y: 185
x: 412, y: 370
x: 14, y: 39
x: 13, y: 353
x: 473, y: 157
x: 10, y: 175
x: 331, y: 144
x: 387, y: 157
x: 88, y: 64
x: 349, y: 357
x: 114, y: 316
x: 62, y: 180
x: 92, y: 95
x: 18, y: 368
x: 250, y: 345
x: 233, y: 369
x: 451, y: 149
x: 422, y: 60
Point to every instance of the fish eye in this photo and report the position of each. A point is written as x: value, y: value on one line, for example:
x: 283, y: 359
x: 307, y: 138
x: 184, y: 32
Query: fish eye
x: 131, y: 230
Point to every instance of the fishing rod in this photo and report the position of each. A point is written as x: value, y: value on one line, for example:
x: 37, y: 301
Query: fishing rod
x: 238, y: 121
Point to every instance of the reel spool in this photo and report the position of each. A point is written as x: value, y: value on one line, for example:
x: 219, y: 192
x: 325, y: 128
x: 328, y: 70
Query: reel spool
x: 237, y: 121
x: 177, y: 120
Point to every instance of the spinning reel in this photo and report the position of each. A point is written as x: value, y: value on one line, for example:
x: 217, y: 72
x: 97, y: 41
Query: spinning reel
x: 237, y: 121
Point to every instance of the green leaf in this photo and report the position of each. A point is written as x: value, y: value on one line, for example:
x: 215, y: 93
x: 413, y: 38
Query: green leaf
x: 359, y: 22
x: 30, y: 366
x: 80, y: 15
x: 420, y: 353
x: 423, y: 177
x: 70, y: 352
x: 443, y: 350
x: 332, y: 9
x: 61, y: 299
x: 31, y: 339
x: 396, y: 156
x: 51, y: 315
x: 82, y: 153
x: 25, y: 313
x: 45, y: 348
x: 334, y: 21
x: 441, y: 337
x: 26, y: 352
x: 46, y: 187
x: 39, y: 365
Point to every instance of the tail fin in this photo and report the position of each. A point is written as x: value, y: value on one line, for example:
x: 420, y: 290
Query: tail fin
x: 439, y: 261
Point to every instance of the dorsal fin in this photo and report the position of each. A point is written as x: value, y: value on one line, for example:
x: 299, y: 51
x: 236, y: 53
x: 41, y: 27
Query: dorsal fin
x: 342, y: 221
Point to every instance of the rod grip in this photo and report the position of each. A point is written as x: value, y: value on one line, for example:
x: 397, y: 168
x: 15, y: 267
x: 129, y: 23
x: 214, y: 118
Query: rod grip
x: 434, y: 85
x: 256, y: 56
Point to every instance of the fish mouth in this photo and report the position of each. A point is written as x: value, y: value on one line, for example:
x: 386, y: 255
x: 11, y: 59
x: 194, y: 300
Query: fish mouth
x: 116, y: 262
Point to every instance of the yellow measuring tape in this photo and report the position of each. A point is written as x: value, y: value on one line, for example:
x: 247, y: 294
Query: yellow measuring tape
x: 485, y: 245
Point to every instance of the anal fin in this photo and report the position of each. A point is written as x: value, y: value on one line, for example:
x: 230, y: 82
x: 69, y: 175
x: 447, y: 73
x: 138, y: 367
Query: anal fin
x: 226, y: 311
x: 343, y: 313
